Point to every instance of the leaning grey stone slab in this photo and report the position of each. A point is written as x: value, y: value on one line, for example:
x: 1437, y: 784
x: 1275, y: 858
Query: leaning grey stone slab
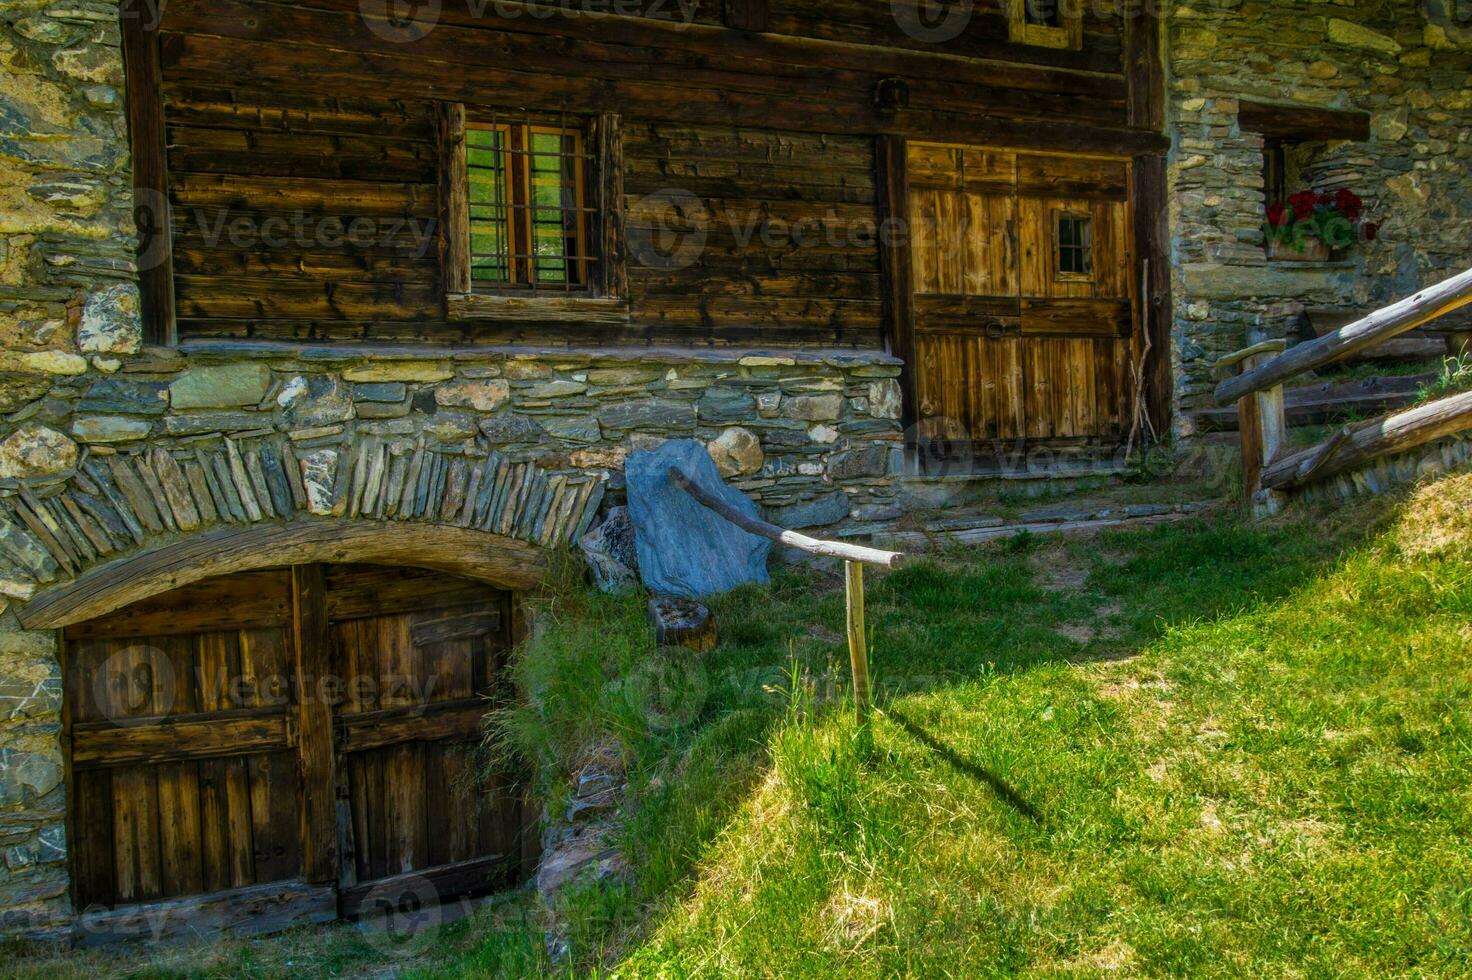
x: 684, y: 549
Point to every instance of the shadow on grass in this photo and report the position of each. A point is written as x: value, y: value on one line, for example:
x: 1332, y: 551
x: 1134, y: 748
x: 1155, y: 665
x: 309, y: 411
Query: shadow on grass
x: 967, y: 767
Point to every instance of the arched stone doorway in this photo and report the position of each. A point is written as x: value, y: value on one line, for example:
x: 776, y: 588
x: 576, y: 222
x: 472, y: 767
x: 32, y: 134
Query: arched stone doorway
x: 274, y: 725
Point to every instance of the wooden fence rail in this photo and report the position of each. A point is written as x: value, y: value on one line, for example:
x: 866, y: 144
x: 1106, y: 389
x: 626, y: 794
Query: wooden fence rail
x: 1358, y: 444
x: 1257, y: 388
x: 855, y: 557
x: 1397, y: 318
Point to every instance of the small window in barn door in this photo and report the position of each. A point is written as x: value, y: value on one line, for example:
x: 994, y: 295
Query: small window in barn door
x: 1046, y: 23
x: 531, y: 222
x: 1073, y: 246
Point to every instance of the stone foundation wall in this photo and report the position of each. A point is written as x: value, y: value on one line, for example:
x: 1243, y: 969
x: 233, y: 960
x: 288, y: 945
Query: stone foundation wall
x: 66, y: 234
x: 158, y: 444
x: 1408, y: 64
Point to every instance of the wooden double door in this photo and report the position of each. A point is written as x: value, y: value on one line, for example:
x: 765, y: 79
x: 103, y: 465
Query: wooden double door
x: 301, y: 739
x: 1023, y: 300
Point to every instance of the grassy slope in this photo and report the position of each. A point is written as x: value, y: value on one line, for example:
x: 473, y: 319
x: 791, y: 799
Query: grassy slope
x: 1204, y: 748
x: 1277, y: 783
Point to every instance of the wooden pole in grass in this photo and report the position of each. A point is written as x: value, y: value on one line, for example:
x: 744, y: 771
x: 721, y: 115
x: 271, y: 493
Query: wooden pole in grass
x: 858, y: 648
x: 854, y: 558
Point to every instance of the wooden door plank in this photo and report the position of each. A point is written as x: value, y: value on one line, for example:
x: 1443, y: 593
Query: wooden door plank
x: 239, y: 843
x: 317, y: 781
x: 136, y: 833
x: 214, y: 819
x: 180, y: 829
x: 275, y: 834
x: 218, y: 659
x: 405, y: 805
x: 266, y: 666
x: 94, y: 867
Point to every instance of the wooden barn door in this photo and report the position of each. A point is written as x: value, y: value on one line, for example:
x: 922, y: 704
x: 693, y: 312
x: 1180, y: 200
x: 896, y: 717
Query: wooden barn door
x: 183, y: 773
x: 968, y: 352
x: 288, y: 744
x: 1077, y: 314
x: 1022, y: 300
x: 421, y: 660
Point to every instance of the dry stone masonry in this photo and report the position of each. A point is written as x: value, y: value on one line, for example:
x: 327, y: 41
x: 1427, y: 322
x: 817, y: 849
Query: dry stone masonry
x: 1408, y: 64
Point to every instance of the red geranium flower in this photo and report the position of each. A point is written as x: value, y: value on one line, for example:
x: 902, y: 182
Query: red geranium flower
x: 1277, y: 214
x: 1325, y: 198
x: 1302, y: 204
x: 1349, y: 203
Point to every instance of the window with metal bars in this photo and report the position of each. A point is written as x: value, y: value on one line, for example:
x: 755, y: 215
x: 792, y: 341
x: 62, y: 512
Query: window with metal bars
x: 531, y: 209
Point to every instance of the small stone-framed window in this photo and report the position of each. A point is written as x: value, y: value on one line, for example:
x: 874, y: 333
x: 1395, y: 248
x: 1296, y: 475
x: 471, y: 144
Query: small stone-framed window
x: 531, y: 208
x: 1073, y: 246
x: 1046, y: 23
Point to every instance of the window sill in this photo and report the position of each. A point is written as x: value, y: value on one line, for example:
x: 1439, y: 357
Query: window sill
x: 1309, y: 264
x: 537, y: 309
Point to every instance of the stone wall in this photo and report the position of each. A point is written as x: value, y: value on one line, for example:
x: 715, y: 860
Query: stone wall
x: 108, y: 447
x: 1407, y: 63
x: 164, y: 444
x: 65, y: 235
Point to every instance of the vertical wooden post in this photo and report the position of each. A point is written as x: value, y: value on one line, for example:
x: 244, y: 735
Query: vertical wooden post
x: 858, y: 649
x: 893, y: 212
x: 1262, y: 425
x: 318, y: 799
x: 454, y: 199
x: 149, y: 146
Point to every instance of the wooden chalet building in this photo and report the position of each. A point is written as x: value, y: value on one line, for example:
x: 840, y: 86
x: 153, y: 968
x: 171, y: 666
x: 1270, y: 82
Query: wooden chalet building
x: 327, y: 321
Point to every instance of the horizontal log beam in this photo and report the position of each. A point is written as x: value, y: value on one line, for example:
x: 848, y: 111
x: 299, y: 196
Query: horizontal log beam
x: 140, y: 741
x: 1341, y: 453
x: 253, y: 910
x: 422, y: 722
x: 1303, y: 124
x: 1409, y: 313
x: 754, y: 525
x: 500, y: 561
x: 436, y: 885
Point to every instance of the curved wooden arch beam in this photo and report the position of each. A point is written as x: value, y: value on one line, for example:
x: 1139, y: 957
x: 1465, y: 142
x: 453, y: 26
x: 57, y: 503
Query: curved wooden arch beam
x: 501, y: 561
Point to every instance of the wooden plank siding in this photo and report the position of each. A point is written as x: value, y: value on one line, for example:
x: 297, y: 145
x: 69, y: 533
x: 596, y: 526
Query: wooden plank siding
x: 289, y: 123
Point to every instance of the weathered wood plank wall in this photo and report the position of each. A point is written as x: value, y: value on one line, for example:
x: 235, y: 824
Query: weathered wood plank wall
x: 289, y: 116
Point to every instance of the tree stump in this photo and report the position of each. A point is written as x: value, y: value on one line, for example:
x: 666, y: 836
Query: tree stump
x: 682, y: 622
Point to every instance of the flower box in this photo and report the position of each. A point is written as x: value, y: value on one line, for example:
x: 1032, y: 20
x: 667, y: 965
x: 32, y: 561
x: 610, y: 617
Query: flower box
x: 1313, y: 251
x: 1315, y: 227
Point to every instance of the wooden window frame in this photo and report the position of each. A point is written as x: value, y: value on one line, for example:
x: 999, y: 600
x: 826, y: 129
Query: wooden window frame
x: 1061, y: 215
x: 1070, y: 33
x: 602, y: 299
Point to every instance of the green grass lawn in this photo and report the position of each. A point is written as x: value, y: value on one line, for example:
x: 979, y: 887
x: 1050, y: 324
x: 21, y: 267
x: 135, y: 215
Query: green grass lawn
x: 1205, y: 748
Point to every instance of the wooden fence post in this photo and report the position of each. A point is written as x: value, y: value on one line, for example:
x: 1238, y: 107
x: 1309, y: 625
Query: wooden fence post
x: 854, y: 556
x: 1261, y: 425
x: 858, y: 645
